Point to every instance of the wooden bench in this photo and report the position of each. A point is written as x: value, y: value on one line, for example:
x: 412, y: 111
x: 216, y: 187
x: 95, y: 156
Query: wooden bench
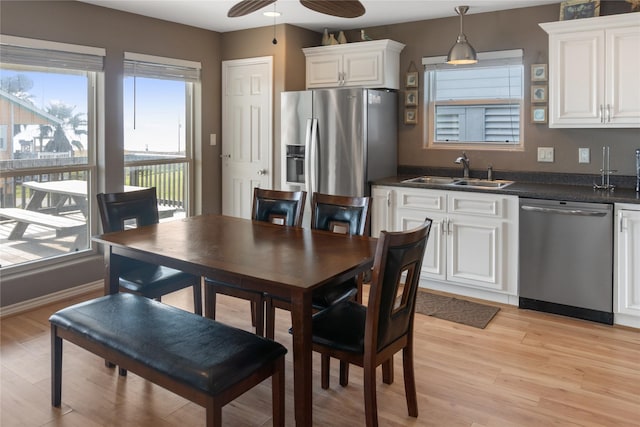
x: 63, y: 225
x: 198, y: 358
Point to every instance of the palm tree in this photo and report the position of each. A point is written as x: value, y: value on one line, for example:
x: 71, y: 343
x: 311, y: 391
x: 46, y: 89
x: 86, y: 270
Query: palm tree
x: 65, y: 113
x: 60, y: 143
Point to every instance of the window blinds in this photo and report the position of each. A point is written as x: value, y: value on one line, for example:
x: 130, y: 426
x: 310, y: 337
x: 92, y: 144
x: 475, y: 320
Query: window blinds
x: 51, y: 55
x: 156, y: 67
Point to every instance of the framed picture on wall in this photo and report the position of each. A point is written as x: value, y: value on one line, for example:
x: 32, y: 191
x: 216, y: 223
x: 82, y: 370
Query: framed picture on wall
x: 538, y: 93
x: 539, y: 72
x: 539, y: 114
x: 412, y: 79
x: 411, y: 116
x: 411, y: 98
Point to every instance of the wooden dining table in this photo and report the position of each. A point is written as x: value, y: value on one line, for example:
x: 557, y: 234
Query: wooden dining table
x: 287, y: 262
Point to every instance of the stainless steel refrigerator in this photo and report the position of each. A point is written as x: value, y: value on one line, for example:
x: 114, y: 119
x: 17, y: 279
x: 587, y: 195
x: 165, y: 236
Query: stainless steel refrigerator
x: 336, y: 141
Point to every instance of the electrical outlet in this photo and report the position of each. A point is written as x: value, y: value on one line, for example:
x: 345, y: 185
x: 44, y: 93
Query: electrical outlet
x: 545, y: 154
x: 584, y: 155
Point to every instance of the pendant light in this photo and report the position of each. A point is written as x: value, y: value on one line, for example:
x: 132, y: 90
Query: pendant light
x: 462, y: 52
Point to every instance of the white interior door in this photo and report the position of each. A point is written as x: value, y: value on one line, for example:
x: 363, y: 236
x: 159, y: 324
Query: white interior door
x: 247, y: 119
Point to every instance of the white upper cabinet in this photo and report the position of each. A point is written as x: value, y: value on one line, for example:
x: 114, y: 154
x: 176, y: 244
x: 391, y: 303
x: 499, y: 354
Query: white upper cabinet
x: 594, y: 65
x: 373, y: 64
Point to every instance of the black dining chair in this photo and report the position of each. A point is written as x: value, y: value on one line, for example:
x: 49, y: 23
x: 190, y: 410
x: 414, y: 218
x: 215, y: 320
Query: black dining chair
x: 369, y: 336
x: 338, y: 214
x: 277, y: 207
x: 130, y: 209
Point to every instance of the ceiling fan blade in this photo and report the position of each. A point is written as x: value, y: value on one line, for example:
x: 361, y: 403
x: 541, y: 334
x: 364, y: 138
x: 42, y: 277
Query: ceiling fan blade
x: 246, y: 7
x: 340, y: 8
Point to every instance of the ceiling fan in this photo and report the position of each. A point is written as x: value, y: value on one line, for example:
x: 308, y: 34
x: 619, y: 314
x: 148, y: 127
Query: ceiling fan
x: 339, y: 8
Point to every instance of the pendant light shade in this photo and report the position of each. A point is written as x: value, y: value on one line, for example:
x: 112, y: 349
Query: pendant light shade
x: 462, y: 52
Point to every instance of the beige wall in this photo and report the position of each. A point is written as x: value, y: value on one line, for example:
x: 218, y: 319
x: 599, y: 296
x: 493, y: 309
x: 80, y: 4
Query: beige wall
x: 511, y: 29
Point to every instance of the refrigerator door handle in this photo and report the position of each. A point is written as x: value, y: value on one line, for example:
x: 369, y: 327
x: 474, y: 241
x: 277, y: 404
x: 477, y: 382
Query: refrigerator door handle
x: 307, y: 151
x: 313, y: 169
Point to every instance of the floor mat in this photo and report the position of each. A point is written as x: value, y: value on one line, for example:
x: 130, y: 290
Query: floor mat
x: 455, y: 310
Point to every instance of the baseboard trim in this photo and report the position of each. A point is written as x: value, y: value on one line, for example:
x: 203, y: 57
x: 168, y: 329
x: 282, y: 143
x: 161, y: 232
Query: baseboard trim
x: 34, y: 303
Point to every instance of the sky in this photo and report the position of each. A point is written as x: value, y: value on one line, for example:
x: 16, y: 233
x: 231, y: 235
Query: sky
x: 159, y: 106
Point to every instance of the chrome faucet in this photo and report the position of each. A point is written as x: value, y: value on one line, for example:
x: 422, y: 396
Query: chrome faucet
x: 464, y: 160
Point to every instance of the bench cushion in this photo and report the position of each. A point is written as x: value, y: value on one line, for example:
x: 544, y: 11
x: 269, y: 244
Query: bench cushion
x: 195, y: 350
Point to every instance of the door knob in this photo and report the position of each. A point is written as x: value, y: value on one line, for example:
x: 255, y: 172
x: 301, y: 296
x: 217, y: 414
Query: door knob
x: 225, y: 156
x: 262, y: 172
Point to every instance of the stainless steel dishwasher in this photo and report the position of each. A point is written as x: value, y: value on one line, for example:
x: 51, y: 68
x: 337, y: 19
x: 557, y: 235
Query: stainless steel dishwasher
x: 566, y: 258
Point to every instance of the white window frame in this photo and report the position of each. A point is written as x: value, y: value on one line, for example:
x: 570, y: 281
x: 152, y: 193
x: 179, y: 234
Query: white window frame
x: 151, y: 66
x: 506, y: 57
x: 48, y: 53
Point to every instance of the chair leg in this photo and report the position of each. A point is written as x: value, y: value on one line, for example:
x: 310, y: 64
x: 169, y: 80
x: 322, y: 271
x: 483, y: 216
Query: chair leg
x: 325, y: 366
x: 209, y: 301
x: 409, y: 381
x: 370, y: 403
x: 56, y: 368
x: 344, y: 373
x: 197, y: 299
x: 257, y: 312
x: 253, y: 313
x: 270, y: 312
x: 387, y: 371
x: 277, y: 394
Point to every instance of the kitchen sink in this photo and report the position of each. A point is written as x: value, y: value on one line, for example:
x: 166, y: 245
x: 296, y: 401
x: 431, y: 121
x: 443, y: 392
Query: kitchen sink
x: 436, y: 180
x: 460, y: 182
x: 482, y: 183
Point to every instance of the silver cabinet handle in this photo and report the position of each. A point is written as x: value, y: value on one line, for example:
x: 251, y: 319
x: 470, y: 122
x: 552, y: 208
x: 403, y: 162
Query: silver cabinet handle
x: 608, y: 113
x: 601, y: 113
x: 225, y: 156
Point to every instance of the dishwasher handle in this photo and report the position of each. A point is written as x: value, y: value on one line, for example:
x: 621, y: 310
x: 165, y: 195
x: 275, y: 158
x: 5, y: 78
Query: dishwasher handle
x: 576, y: 212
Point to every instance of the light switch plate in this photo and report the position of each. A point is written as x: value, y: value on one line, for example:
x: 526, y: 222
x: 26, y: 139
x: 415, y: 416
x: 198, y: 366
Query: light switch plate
x: 212, y: 139
x: 584, y: 155
x: 545, y: 154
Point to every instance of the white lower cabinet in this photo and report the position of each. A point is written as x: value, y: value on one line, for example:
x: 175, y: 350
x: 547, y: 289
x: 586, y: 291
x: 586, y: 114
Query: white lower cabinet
x: 473, y: 245
x: 381, y: 209
x: 626, y: 295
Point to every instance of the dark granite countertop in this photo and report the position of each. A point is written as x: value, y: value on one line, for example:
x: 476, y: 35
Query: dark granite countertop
x: 555, y: 189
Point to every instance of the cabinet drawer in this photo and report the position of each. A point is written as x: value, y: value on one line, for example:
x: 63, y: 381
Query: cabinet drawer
x: 422, y: 200
x: 480, y: 205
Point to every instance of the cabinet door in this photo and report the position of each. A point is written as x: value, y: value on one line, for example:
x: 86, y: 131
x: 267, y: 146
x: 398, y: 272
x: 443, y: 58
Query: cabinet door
x: 324, y: 71
x: 475, y: 251
x: 361, y: 69
x: 381, y: 210
x: 434, y: 261
x: 576, y: 78
x: 628, y: 267
x: 622, y: 81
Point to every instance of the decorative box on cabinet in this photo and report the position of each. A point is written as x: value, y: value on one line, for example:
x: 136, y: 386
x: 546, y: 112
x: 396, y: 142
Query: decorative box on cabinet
x: 473, y: 244
x: 626, y: 300
x: 594, y: 65
x: 373, y: 64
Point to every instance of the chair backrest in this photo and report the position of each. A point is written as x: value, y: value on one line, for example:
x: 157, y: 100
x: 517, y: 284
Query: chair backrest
x: 394, y: 285
x: 137, y: 208
x: 340, y: 214
x: 278, y: 207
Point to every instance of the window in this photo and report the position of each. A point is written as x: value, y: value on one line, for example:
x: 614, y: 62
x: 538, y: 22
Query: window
x: 159, y: 118
x: 475, y: 105
x: 47, y: 167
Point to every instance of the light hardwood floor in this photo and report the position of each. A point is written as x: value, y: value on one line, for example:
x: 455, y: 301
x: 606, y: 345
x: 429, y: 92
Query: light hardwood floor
x: 525, y: 369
